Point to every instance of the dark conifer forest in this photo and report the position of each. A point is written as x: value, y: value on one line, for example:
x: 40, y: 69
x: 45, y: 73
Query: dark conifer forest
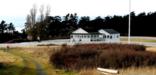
x: 56, y: 27
x: 53, y: 27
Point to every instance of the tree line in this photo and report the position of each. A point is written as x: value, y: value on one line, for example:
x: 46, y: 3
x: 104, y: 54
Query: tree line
x: 52, y: 27
x: 7, y: 31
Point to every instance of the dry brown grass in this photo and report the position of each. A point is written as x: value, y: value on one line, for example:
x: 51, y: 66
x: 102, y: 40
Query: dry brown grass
x: 41, y: 54
x: 138, y: 71
x: 152, y: 49
x: 89, y: 72
x: 8, y: 58
x: 128, y: 71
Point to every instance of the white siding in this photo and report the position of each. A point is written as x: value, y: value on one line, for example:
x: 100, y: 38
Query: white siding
x: 80, y: 38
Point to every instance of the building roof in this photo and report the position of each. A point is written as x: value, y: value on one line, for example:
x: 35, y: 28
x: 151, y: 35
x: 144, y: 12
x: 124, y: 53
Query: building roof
x: 111, y: 31
x: 80, y: 31
x: 86, y: 33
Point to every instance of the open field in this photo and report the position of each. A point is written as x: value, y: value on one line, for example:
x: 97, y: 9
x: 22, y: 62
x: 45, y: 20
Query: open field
x: 140, y: 39
x: 29, y: 61
x: 10, y: 64
x: 128, y: 71
x: 34, y: 60
x: 147, y: 41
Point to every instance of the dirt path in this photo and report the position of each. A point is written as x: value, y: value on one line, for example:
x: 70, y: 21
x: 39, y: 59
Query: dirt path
x: 24, y: 71
x: 39, y: 69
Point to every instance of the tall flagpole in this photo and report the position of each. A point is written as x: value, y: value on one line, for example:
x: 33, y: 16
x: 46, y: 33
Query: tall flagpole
x: 129, y: 23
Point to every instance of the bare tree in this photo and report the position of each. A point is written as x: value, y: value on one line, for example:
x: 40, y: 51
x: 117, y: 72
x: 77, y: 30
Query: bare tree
x: 41, y: 13
x: 33, y: 13
x: 28, y: 24
x: 34, y: 28
x: 31, y: 18
x: 48, y: 11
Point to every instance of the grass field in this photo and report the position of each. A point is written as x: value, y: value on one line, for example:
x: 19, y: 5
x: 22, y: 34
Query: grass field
x: 128, y: 71
x: 10, y: 64
x: 22, y: 61
x: 28, y: 61
x: 138, y: 39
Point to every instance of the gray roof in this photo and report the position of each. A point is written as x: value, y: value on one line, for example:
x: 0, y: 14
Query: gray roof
x: 111, y: 31
x: 81, y: 31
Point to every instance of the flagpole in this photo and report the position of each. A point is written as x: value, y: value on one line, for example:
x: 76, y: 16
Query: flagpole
x: 129, y: 23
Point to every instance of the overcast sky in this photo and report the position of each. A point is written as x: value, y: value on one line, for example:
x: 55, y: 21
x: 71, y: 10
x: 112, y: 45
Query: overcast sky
x: 16, y: 10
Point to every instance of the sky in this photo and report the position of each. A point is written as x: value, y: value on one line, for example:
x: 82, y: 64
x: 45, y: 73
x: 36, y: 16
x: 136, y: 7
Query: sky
x: 15, y: 11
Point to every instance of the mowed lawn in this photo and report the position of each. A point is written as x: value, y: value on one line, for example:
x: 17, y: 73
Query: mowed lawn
x: 24, y: 61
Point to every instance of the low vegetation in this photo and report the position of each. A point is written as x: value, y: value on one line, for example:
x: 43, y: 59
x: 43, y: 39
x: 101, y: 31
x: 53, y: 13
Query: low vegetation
x: 83, y: 58
x: 90, y: 56
x: 10, y: 64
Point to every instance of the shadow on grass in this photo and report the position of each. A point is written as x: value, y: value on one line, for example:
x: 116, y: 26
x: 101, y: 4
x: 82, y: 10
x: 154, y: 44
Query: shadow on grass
x: 15, y: 70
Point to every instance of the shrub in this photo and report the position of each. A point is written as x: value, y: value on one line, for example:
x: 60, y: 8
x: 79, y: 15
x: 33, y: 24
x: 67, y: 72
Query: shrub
x: 102, y: 55
x: 74, y: 57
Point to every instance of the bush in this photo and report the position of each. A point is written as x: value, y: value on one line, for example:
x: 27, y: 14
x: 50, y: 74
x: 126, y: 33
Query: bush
x: 102, y: 55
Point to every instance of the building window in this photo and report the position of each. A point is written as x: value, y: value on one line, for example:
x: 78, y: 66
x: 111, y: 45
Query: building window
x: 95, y: 36
x: 107, y: 36
x: 117, y: 36
x: 110, y: 37
x: 104, y: 36
x: 88, y: 36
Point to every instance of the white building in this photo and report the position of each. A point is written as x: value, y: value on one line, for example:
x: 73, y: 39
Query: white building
x: 103, y: 35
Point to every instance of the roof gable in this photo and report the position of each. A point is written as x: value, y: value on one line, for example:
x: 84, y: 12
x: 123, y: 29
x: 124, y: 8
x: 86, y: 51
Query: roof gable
x: 80, y: 31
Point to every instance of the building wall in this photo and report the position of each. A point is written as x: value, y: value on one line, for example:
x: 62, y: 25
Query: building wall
x: 80, y: 38
x: 112, y: 38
